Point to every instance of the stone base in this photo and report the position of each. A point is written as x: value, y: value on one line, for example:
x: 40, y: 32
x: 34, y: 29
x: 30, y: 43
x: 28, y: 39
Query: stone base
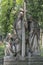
x: 21, y: 58
x: 36, y: 53
x: 10, y: 60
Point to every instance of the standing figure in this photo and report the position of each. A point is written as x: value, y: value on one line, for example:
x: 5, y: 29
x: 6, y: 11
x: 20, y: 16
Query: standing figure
x: 34, y: 35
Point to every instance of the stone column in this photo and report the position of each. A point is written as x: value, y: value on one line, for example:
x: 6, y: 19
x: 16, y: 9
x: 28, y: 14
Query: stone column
x: 23, y: 39
x: 23, y: 31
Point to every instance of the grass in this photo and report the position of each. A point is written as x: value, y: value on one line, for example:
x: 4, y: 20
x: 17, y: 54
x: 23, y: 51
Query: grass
x: 41, y: 51
x: 2, y: 50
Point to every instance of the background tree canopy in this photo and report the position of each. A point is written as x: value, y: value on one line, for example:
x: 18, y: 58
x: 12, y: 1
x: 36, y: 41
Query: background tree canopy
x: 35, y: 8
x: 9, y: 10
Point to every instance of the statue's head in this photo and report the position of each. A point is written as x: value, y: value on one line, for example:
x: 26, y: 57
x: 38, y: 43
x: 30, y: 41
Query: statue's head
x: 30, y: 18
x: 21, y: 14
x: 21, y: 10
x: 9, y: 35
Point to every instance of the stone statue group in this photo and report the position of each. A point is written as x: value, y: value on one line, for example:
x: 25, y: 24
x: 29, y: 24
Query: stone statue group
x: 13, y: 42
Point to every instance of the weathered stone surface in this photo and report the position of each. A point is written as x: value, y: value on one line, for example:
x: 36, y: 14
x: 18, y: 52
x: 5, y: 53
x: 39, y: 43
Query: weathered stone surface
x: 33, y: 60
x: 8, y: 60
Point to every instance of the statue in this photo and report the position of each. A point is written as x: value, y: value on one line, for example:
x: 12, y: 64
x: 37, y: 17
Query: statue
x: 17, y: 39
x: 34, y: 36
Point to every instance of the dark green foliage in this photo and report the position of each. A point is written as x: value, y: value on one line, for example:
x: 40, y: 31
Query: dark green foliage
x: 6, y: 17
x: 2, y: 50
x: 9, y: 10
x: 35, y: 8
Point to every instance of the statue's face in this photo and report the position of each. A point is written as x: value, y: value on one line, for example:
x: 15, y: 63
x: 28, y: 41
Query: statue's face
x: 20, y: 16
x: 9, y: 35
x: 21, y: 13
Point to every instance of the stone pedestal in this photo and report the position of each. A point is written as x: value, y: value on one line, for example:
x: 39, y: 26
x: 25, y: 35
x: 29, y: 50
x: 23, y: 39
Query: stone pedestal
x: 10, y: 60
